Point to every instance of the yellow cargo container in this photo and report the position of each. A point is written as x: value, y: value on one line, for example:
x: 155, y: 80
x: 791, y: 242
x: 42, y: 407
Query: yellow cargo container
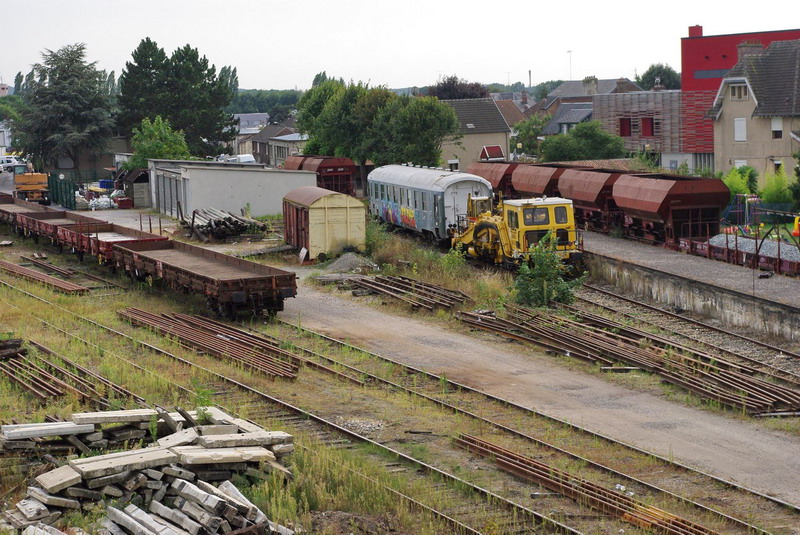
x: 325, y: 222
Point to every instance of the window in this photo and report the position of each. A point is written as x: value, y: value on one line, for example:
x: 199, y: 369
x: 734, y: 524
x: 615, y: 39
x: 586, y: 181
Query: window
x: 647, y: 126
x: 777, y: 127
x: 739, y: 163
x: 739, y: 92
x: 635, y: 126
x: 536, y: 216
x: 513, y: 219
x: 422, y: 196
x: 656, y: 127
x: 740, y: 129
x: 561, y: 215
x: 383, y: 192
x: 625, y: 127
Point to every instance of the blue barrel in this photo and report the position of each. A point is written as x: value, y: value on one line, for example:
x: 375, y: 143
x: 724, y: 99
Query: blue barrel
x: 106, y: 184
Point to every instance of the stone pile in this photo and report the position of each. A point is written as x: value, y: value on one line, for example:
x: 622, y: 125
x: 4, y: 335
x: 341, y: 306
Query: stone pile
x: 178, y: 485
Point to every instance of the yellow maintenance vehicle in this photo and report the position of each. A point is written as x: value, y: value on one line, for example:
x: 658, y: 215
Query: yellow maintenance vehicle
x: 504, y: 235
x: 29, y: 185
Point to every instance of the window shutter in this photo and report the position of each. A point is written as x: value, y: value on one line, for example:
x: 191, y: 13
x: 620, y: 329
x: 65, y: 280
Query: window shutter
x: 740, y: 129
x: 777, y: 124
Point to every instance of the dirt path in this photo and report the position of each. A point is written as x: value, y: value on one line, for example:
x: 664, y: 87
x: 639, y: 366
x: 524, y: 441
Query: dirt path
x: 735, y: 450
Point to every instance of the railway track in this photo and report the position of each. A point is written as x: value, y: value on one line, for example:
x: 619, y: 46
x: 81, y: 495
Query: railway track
x: 727, y: 342
x: 227, y: 395
x: 480, y: 507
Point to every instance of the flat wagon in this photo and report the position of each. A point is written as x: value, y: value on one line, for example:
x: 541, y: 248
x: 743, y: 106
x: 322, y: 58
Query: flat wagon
x: 230, y: 285
x: 46, y: 224
x: 10, y: 207
x: 98, y: 239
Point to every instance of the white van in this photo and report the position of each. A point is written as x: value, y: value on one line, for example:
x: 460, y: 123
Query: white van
x: 241, y: 158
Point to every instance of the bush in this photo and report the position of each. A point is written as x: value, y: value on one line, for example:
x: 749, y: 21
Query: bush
x: 736, y: 182
x: 542, y: 279
x: 750, y: 176
x: 776, y: 190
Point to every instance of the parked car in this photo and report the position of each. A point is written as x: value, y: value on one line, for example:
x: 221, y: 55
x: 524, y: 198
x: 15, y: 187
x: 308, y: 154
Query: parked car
x: 241, y: 158
x: 8, y: 162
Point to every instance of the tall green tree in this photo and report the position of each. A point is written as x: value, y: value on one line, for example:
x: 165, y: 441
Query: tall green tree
x: 183, y: 89
x: 776, y: 188
x: 195, y: 101
x: 736, y: 182
x: 313, y: 101
x: 794, y: 186
x: 10, y: 107
x: 142, y: 85
x: 66, y: 111
x: 18, y: 83
x: 453, y: 87
x: 413, y: 129
x: 528, y: 133
x: 666, y: 74
x: 587, y: 141
x: 541, y: 90
x: 156, y: 140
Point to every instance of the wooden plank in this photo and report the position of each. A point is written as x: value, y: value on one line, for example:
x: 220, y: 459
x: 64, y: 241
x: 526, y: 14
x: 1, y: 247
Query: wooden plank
x: 127, y: 522
x: 58, y: 479
x: 148, y: 521
x: 49, y: 499
x: 181, y: 438
x: 177, y: 517
x: 258, y: 438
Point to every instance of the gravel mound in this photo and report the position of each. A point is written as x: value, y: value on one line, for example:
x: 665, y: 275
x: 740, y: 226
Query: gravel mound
x: 351, y: 263
x: 748, y: 245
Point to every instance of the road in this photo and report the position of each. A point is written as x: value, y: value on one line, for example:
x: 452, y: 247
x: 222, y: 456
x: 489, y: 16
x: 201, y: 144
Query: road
x: 737, y: 450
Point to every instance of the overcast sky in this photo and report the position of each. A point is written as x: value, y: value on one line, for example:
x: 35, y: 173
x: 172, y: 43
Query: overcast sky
x: 281, y: 44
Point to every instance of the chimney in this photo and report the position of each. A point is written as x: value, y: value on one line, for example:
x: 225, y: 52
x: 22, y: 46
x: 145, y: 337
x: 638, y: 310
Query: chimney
x: 749, y: 48
x: 696, y: 31
x: 590, y: 85
x: 525, y: 98
x: 657, y: 86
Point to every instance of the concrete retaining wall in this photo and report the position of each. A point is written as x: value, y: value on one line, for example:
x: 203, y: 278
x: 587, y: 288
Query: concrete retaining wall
x: 736, y: 309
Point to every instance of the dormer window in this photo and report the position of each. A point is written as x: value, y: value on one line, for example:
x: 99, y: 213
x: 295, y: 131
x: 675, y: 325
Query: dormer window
x: 739, y: 92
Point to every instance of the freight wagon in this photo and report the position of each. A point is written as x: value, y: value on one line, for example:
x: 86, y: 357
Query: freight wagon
x: 99, y: 238
x: 335, y: 174
x: 231, y: 285
x: 46, y: 224
x: 11, y: 206
x: 428, y: 201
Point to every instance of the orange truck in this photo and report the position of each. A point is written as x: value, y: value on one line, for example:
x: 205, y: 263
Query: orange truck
x: 30, y: 186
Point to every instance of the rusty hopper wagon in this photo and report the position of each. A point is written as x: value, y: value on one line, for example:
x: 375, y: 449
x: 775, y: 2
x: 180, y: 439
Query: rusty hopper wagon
x: 231, y: 285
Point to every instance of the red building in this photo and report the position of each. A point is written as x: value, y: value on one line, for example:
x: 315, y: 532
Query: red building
x: 704, y: 62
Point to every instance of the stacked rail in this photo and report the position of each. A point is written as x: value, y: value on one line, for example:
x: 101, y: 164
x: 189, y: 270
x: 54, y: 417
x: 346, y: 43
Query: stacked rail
x: 51, y: 282
x: 585, y: 492
x: 45, y: 378
x: 415, y: 293
x: 221, y: 225
x: 723, y: 382
x: 213, y: 344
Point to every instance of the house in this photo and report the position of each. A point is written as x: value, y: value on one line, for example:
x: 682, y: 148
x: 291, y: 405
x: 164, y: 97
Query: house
x: 647, y: 121
x: 281, y: 147
x: 5, y: 138
x: 260, y: 141
x: 705, y: 61
x: 580, y: 91
x: 481, y: 125
x: 520, y: 99
x: 249, y: 125
x: 756, y: 108
x: 511, y: 113
x: 567, y: 116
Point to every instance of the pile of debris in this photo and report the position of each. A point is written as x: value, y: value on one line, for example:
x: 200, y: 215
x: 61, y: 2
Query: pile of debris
x: 179, y: 484
x: 220, y: 225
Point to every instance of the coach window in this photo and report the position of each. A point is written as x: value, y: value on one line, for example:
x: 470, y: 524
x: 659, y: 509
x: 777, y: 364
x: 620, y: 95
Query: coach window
x: 383, y: 193
x: 416, y: 196
x: 561, y: 215
x: 422, y: 196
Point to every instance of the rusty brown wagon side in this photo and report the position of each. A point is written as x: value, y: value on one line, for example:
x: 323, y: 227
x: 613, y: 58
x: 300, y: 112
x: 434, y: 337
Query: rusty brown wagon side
x: 98, y: 238
x: 231, y: 285
x: 46, y: 224
x: 11, y: 206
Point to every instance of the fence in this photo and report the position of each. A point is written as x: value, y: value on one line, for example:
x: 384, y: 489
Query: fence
x: 62, y: 191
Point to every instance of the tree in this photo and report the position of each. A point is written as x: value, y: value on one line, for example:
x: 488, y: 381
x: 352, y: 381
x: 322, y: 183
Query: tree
x: 156, y: 140
x: 541, y: 279
x: 412, y: 129
x: 794, y: 187
x: 311, y: 104
x: 528, y: 133
x: 666, y: 74
x: 453, y: 87
x: 540, y: 91
x: 18, y: 83
x: 66, y: 111
x: 750, y: 176
x: 10, y: 107
x: 587, y: 141
x: 183, y: 89
x: 776, y: 188
x: 736, y: 182
x: 142, y: 85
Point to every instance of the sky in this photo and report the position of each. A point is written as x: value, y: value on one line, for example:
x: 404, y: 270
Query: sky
x: 282, y: 44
